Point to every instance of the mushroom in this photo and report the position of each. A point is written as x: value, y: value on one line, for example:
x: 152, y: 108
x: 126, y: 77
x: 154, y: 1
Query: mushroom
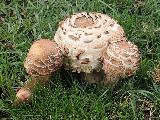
x: 84, y: 37
x: 43, y: 59
x: 156, y: 74
x: 120, y: 60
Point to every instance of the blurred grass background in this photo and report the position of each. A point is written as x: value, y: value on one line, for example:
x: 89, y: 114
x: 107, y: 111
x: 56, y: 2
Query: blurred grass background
x: 137, y: 97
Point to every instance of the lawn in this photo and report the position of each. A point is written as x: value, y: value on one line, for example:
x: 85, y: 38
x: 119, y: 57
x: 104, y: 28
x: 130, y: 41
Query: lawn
x: 68, y: 97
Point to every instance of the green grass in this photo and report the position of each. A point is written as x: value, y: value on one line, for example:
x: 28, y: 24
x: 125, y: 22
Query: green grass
x: 137, y: 97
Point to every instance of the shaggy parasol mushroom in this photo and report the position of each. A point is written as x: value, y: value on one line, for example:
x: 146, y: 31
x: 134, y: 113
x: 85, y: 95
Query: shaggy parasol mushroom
x: 84, y: 37
x: 43, y: 59
x: 120, y: 60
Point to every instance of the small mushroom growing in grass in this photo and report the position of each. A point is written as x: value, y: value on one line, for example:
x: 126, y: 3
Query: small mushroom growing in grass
x: 91, y: 42
x: 120, y: 60
x: 43, y: 59
x: 156, y: 74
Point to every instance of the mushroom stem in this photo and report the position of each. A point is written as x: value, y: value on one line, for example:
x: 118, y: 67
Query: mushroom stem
x: 25, y: 93
x: 42, y: 80
x: 94, y: 78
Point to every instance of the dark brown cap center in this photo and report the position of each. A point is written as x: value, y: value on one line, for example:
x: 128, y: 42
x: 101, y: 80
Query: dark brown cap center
x: 83, y: 22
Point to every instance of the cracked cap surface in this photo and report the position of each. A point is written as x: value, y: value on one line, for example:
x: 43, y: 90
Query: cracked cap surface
x: 120, y: 60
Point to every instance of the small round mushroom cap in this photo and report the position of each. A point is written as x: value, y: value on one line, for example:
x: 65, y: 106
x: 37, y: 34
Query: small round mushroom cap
x: 156, y: 74
x: 83, y: 36
x: 44, y: 58
x: 120, y: 60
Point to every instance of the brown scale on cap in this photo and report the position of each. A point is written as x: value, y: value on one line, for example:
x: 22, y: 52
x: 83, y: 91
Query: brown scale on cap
x: 85, y: 61
x: 118, y: 61
x: 73, y: 37
x: 79, y: 53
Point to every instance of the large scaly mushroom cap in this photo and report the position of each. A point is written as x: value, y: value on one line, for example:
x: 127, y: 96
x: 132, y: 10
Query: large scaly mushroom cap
x: 44, y: 58
x: 120, y: 60
x: 83, y: 36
